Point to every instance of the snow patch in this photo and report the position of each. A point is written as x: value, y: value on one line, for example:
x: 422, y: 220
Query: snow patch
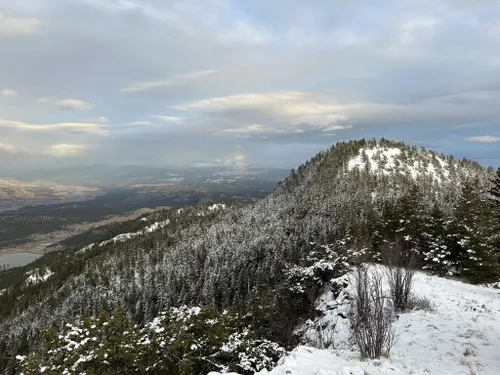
x: 217, y: 206
x: 123, y: 237
x: 35, y: 276
x: 388, y: 160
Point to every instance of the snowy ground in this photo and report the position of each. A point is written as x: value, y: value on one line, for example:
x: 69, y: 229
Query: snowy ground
x: 393, y: 161
x: 461, y: 336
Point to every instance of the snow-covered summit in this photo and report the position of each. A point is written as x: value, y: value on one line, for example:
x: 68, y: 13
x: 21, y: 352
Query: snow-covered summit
x: 388, y: 160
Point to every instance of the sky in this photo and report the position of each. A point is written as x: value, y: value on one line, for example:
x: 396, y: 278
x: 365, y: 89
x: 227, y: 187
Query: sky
x: 232, y: 82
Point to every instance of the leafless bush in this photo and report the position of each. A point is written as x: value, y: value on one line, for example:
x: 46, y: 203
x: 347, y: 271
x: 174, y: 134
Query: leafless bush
x: 325, y: 337
x: 370, y: 315
x: 401, y: 266
x: 420, y: 303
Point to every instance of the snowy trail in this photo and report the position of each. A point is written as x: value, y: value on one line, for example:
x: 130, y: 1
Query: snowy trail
x: 461, y: 336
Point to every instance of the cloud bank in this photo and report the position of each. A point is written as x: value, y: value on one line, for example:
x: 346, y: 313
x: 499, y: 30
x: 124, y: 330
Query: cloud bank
x: 190, y: 82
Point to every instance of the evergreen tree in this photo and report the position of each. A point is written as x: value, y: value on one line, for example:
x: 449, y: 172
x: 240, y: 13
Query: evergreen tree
x: 436, y: 255
x: 470, y: 249
x: 494, y: 205
x: 413, y: 218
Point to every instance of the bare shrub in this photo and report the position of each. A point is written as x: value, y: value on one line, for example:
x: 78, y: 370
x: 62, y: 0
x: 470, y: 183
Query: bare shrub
x: 420, y: 303
x: 370, y: 315
x: 469, y: 365
x: 325, y: 337
x: 401, y: 266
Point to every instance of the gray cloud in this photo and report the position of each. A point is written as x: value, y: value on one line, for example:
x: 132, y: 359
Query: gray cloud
x: 10, y: 26
x: 186, y: 82
x: 66, y: 104
x: 67, y: 151
x: 177, y: 80
x: 70, y: 127
x: 73, y: 105
x: 9, y: 93
x: 484, y: 139
x: 7, y: 147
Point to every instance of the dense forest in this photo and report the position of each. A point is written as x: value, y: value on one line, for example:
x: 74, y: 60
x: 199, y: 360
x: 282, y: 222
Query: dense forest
x: 265, y: 261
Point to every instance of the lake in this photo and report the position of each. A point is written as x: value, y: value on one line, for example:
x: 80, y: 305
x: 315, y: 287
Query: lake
x: 17, y: 259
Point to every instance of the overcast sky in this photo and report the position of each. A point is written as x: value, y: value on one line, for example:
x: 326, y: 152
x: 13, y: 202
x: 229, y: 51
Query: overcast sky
x: 163, y: 82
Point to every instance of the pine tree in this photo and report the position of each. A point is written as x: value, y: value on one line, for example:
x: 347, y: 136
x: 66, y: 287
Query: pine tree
x: 413, y: 216
x: 494, y: 205
x: 436, y: 255
x: 470, y: 249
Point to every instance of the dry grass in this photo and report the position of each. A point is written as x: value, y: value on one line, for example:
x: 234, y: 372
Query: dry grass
x: 420, y: 303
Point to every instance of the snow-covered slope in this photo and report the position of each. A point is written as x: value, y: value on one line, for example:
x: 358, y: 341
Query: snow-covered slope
x: 122, y: 237
x: 387, y: 160
x: 460, y: 336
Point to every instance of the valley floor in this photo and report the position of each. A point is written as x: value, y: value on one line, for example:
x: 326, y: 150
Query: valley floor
x: 461, y: 336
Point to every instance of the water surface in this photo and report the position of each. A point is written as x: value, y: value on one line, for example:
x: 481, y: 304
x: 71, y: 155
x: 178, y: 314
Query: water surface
x: 17, y: 259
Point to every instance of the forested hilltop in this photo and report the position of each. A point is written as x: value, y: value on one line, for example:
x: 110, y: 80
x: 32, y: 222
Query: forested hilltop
x: 252, y: 270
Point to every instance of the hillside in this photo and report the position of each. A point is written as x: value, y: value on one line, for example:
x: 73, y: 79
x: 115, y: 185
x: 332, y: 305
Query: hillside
x: 280, y: 251
x: 458, y: 336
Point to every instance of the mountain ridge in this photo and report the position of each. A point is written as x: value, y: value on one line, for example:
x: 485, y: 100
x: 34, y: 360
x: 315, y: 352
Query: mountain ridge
x: 229, y: 258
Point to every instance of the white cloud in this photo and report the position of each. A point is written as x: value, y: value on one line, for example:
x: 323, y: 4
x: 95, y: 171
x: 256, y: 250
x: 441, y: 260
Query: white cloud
x: 249, y: 129
x: 301, y: 112
x: 45, y: 100
x: 177, y: 80
x: 292, y: 105
x: 17, y: 26
x: 254, y: 129
x: 169, y: 118
x: 99, y: 120
x: 142, y: 123
x: 66, y: 150
x: 9, y: 93
x: 483, y: 139
x: 67, y: 104
x: 68, y: 127
x: 73, y: 105
x: 7, y: 147
x: 285, y: 112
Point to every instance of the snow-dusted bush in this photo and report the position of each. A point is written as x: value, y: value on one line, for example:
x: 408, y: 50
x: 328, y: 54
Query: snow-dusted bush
x: 179, y: 341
